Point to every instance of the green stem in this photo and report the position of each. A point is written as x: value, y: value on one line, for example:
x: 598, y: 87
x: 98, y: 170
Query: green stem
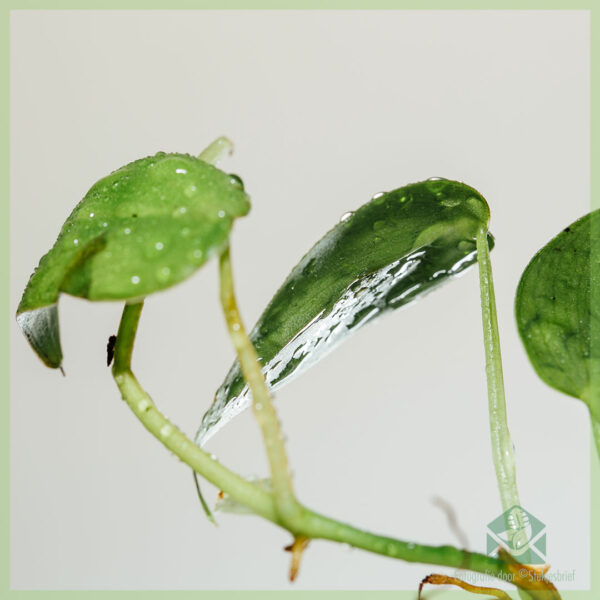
x: 283, y: 492
x: 215, y: 151
x: 502, y: 448
x: 168, y: 434
x: 308, y: 523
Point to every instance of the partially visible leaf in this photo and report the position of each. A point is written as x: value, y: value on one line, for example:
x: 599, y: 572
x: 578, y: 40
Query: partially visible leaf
x: 558, y: 313
x: 143, y: 228
x: 393, y: 249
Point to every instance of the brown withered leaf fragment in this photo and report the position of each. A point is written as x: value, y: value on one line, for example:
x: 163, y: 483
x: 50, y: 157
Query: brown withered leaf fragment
x: 297, y: 548
x: 528, y: 578
x: 437, y: 579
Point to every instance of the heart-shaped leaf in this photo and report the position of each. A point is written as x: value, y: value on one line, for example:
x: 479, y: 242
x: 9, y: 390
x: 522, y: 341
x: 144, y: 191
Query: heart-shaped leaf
x: 141, y: 229
x: 393, y: 249
x: 558, y: 312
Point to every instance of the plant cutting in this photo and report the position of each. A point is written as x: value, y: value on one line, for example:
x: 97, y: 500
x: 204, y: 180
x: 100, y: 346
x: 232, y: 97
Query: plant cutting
x: 154, y: 222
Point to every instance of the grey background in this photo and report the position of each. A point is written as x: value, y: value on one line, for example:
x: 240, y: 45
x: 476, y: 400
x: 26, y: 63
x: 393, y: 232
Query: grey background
x: 326, y: 108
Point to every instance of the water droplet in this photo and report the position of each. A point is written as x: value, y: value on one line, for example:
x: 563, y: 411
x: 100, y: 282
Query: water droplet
x: 258, y: 406
x: 450, y: 202
x: 159, y: 245
x: 197, y: 253
x: 436, y: 184
x: 235, y: 327
x: 346, y: 216
x: 377, y: 195
x: 166, y: 430
x: 181, y: 171
x: 213, y: 457
x: 410, y: 546
x: 190, y: 190
x: 185, y: 231
x: 116, y: 184
x: 236, y: 181
x: 163, y: 273
x: 127, y: 231
x: 75, y: 242
x: 221, y: 214
x: 91, y: 215
x: 143, y: 405
x: 105, y: 224
x: 403, y: 199
x: 135, y: 280
x: 180, y: 211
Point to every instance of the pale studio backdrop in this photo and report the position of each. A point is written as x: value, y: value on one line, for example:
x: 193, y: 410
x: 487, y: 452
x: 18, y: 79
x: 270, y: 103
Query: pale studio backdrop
x: 326, y: 108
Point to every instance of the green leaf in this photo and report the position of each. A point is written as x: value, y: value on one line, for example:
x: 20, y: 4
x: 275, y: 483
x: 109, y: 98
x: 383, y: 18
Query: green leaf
x: 556, y: 316
x: 141, y: 229
x: 393, y: 249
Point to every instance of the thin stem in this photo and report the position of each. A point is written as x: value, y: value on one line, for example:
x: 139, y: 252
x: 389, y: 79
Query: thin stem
x: 168, y: 434
x: 212, y: 154
x: 215, y: 151
x: 310, y: 524
x: 283, y: 493
x: 502, y: 448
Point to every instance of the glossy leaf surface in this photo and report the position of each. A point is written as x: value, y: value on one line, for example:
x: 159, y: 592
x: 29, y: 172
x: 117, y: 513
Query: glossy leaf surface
x: 393, y: 249
x: 556, y: 314
x: 141, y: 229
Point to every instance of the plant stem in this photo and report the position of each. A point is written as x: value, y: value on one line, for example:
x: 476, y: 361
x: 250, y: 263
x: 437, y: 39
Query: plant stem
x: 285, y: 501
x: 215, y: 151
x: 502, y: 448
x: 309, y: 524
x: 168, y: 434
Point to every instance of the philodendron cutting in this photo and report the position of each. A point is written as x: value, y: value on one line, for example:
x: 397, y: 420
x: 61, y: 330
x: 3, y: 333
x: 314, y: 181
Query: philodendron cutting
x: 152, y: 223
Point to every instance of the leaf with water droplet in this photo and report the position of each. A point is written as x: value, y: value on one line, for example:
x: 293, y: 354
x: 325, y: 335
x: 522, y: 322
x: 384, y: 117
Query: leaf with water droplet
x: 558, y: 312
x: 141, y: 229
x: 393, y: 249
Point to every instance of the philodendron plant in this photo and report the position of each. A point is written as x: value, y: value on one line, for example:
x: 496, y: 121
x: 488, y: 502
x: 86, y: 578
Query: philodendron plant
x: 152, y: 223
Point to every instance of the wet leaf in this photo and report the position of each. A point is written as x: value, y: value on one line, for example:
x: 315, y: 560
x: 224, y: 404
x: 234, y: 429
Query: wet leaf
x: 558, y: 314
x: 141, y: 229
x: 393, y: 249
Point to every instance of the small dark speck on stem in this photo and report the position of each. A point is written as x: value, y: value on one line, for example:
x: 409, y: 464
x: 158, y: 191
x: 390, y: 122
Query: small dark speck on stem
x: 110, y: 349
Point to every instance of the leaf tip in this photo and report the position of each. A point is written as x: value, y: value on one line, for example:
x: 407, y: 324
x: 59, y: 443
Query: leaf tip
x: 40, y: 326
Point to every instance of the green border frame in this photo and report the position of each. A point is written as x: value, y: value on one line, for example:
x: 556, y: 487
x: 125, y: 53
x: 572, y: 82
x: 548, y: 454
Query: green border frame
x: 7, y: 7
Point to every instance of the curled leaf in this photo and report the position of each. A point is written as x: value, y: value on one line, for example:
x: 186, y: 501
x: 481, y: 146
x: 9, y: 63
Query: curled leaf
x: 393, y: 249
x: 141, y: 229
